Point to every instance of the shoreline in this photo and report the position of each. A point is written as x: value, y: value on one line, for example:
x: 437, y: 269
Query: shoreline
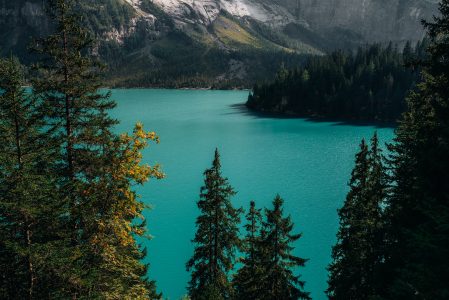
x: 315, y: 118
x: 174, y: 88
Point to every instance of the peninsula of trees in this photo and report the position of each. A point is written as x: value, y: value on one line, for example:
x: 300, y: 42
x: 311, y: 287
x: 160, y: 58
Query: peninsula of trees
x: 369, y: 85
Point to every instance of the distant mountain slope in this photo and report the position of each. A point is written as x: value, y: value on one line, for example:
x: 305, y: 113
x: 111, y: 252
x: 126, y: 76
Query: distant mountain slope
x: 218, y: 42
x: 370, y: 20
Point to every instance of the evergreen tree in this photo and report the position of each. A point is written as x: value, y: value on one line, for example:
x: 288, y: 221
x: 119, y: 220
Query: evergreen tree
x: 247, y: 280
x: 30, y: 218
x: 67, y: 79
x: 217, y: 238
x: 418, y: 209
x: 407, y: 52
x: 345, y: 274
x: 279, y: 281
x: 375, y: 219
x: 94, y: 168
x: 359, y: 252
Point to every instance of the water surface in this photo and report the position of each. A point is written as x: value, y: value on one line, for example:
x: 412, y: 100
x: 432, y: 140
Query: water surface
x: 307, y: 163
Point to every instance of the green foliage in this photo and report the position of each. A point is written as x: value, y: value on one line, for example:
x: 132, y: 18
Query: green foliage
x: 101, y: 16
x: 419, y: 205
x: 181, y: 61
x: 31, y: 245
x: 360, y: 249
x: 368, y: 86
x: 392, y: 243
x: 216, y: 240
x: 247, y: 280
x: 279, y: 281
x: 69, y: 216
x: 268, y: 266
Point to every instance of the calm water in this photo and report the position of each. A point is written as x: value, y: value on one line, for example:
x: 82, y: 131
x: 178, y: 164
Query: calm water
x: 307, y: 163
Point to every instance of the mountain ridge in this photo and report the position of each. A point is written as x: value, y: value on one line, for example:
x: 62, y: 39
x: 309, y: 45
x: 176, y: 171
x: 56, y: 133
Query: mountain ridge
x: 233, y: 35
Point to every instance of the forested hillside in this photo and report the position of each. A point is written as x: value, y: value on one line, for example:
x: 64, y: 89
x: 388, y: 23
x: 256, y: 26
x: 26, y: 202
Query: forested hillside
x: 369, y: 85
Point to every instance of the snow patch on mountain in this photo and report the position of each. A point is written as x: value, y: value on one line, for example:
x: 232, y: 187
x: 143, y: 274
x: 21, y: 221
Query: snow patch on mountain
x: 206, y: 11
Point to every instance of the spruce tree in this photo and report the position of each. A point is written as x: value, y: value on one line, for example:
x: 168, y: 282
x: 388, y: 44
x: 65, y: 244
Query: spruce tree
x: 375, y: 219
x: 418, y: 209
x: 247, y: 280
x: 68, y: 80
x: 75, y: 113
x: 30, y: 216
x: 217, y: 238
x: 359, y: 252
x: 279, y: 281
x: 95, y: 168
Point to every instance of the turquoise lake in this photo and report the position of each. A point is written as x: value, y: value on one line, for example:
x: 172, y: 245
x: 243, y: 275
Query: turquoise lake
x: 307, y: 163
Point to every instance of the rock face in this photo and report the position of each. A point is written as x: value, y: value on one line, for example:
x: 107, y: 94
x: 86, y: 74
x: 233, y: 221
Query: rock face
x: 373, y: 20
x: 366, y: 20
x: 358, y: 21
x: 206, y: 11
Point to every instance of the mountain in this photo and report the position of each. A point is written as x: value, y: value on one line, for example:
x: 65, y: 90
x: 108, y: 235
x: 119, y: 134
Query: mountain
x: 358, y: 20
x: 223, y: 43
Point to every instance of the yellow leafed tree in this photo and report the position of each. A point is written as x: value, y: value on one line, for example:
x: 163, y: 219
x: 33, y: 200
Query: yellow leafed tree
x: 117, y: 229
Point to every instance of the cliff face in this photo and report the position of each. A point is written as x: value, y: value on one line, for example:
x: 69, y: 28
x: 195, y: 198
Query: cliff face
x: 22, y: 20
x: 368, y: 20
x: 373, y: 20
x: 358, y: 21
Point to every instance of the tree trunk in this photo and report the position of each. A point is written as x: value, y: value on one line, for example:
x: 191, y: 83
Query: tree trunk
x: 31, y: 271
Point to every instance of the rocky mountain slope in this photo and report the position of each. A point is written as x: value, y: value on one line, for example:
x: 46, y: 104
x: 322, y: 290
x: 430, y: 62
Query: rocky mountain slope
x: 364, y: 20
x: 197, y: 42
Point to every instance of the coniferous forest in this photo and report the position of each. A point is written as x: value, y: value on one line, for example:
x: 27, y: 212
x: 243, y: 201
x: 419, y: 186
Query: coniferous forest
x: 71, y: 220
x: 369, y: 85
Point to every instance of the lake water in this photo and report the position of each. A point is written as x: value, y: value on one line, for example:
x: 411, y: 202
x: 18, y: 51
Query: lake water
x: 307, y: 163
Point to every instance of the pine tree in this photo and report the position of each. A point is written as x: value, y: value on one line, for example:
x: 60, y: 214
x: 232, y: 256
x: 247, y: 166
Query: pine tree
x: 375, y: 219
x: 67, y: 81
x: 279, y: 281
x: 217, y: 238
x: 29, y: 215
x: 359, y: 252
x: 76, y: 112
x: 247, y: 280
x: 94, y: 167
x: 407, y: 52
x: 418, y: 209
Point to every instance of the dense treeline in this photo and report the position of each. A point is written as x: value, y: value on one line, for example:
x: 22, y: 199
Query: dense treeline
x: 369, y: 85
x: 69, y: 216
x: 393, y: 237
